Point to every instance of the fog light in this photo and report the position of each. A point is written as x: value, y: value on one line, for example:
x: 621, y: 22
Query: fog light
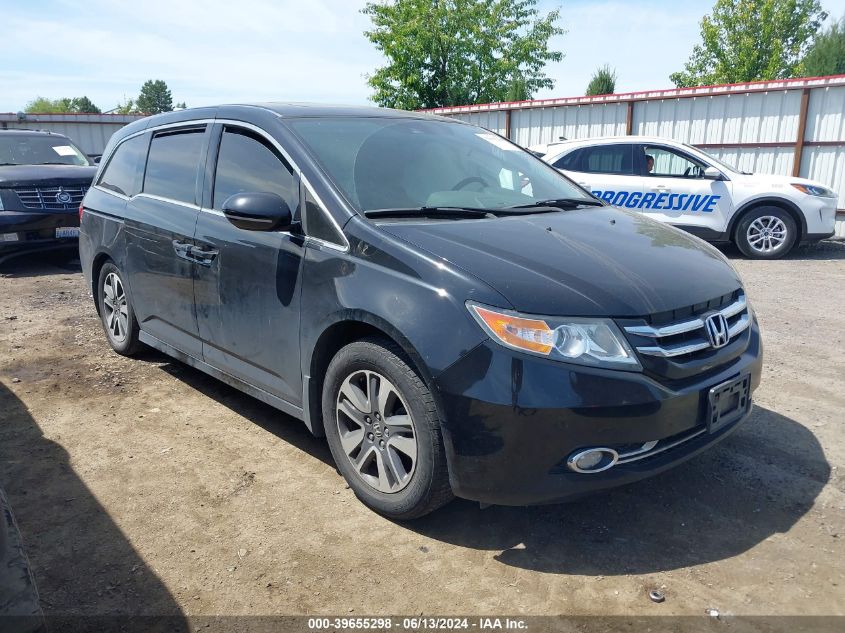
x: 592, y: 460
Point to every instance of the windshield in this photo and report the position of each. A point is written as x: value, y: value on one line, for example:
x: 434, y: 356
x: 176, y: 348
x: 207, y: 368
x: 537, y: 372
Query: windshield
x: 382, y: 163
x: 715, y: 160
x: 25, y: 149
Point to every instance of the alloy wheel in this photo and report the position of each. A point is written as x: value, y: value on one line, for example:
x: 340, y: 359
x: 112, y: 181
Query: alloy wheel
x: 766, y: 234
x: 376, y: 431
x: 115, y: 308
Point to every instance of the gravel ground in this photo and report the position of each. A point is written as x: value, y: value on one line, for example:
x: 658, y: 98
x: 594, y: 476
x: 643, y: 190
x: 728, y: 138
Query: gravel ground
x: 144, y: 487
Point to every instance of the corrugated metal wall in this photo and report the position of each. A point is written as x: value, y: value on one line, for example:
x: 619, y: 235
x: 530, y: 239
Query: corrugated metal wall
x: 90, y: 132
x: 753, y: 126
x: 543, y: 125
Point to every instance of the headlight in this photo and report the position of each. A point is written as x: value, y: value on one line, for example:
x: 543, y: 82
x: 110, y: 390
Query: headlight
x: 815, y: 190
x: 595, y: 342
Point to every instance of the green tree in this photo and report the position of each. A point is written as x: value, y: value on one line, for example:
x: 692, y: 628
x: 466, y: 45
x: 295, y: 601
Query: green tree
x: 126, y: 107
x: 603, y: 81
x: 748, y: 40
x: 84, y: 105
x: 76, y: 105
x: 827, y: 53
x: 455, y: 52
x: 155, y: 97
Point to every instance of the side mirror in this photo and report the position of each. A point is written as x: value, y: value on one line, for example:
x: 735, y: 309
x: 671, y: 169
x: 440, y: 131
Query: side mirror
x: 711, y: 173
x: 258, y: 211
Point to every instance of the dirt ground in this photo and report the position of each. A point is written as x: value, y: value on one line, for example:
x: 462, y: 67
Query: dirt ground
x: 145, y: 487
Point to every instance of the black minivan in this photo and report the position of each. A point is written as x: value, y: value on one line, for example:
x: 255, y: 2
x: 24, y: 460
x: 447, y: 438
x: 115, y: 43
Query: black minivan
x: 453, y: 314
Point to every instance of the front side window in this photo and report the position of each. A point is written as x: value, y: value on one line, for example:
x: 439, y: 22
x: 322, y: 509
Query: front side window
x: 662, y: 161
x: 247, y: 161
x: 408, y: 163
x: 121, y: 174
x: 172, y: 164
x: 39, y: 149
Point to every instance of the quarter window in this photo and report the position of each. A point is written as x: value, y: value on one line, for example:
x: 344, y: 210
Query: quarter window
x: 249, y: 162
x: 317, y: 223
x: 121, y: 174
x: 172, y: 165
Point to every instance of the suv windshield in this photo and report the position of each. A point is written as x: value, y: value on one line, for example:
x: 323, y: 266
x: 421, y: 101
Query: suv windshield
x: 39, y: 149
x: 712, y: 158
x: 386, y: 163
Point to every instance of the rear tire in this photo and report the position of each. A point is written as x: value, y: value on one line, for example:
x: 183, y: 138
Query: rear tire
x: 766, y: 233
x: 383, y: 430
x: 116, y: 313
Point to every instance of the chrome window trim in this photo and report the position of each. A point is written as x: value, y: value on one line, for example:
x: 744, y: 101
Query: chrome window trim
x: 123, y: 197
x: 181, y: 203
x: 297, y: 171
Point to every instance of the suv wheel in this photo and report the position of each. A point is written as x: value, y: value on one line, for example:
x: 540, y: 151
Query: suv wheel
x: 383, y: 429
x: 766, y: 233
x: 116, y: 312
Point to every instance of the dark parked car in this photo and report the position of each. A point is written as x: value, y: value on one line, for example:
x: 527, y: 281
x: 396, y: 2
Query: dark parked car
x: 43, y: 178
x: 454, y: 315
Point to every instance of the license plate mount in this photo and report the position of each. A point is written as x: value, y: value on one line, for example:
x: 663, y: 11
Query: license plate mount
x: 67, y: 231
x: 728, y: 402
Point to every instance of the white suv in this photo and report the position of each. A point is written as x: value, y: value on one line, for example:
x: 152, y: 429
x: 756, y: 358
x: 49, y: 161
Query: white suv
x: 764, y: 215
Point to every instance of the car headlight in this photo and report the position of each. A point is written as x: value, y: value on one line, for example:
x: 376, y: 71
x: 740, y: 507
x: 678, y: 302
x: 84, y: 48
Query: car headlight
x: 815, y: 190
x: 594, y: 342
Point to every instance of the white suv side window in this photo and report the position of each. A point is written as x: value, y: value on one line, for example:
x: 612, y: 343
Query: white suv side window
x: 661, y: 161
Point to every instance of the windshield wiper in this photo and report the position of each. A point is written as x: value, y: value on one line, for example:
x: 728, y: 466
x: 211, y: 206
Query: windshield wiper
x: 430, y: 212
x: 561, y: 203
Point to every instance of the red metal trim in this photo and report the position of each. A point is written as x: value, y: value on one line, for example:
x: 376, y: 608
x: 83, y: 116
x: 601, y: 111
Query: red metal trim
x: 772, y: 85
x: 68, y: 114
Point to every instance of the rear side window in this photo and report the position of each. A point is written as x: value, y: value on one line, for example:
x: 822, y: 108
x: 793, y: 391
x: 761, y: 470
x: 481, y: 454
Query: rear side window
x: 121, y: 175
x: 249, y: 162
x: 173, y: 163
x: 608, y: 159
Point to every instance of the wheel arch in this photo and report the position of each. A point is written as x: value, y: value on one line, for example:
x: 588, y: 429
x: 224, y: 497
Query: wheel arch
x: 100, y: 260
x: 770, y: 201
x: 343, y: 329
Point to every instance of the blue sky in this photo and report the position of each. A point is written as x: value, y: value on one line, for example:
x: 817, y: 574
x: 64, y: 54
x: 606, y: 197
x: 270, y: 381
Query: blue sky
x: 213, y: 51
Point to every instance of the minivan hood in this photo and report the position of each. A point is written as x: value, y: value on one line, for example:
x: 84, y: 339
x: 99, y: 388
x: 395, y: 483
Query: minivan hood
x: 589, y: 262
x: 45, y: 175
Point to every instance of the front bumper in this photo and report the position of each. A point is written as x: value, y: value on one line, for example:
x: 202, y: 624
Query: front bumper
x: 511, y: 421
x: 24, y: 230
x: 820, y: 215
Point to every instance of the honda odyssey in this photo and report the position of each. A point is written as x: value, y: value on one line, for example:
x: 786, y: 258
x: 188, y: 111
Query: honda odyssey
x: 454, y: 315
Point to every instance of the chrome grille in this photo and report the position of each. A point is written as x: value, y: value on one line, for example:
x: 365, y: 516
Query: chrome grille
x: 686, y: 337
x: 51, y: 198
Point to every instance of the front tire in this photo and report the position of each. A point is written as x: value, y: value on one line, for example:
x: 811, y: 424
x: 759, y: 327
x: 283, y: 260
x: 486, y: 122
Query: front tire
x: 116, y: 313
x: 766, y: 233
x: 383, y: 430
